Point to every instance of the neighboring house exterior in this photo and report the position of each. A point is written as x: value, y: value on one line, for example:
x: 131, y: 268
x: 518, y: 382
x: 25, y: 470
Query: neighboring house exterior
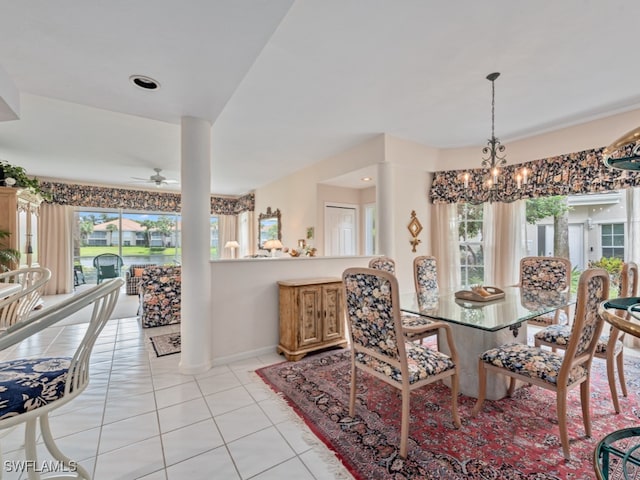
x: 132, y: 234
x: 108, y: 233
x: 597, y: 226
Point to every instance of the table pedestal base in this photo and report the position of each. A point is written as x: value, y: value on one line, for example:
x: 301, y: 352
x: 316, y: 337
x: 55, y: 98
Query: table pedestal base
x: 470, y: 343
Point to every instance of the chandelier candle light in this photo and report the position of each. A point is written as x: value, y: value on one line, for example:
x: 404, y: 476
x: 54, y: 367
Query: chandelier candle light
x: 494, y: 159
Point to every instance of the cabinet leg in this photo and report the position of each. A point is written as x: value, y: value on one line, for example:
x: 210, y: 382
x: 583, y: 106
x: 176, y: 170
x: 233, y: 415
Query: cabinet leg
x: 294, y: 358
x: 290, y: 356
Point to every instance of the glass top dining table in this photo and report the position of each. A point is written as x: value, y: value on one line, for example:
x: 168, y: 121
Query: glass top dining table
x: 517, y: 306
x: 480, y: 326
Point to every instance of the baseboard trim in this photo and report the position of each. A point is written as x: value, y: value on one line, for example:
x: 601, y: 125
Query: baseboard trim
x: 243, y: 355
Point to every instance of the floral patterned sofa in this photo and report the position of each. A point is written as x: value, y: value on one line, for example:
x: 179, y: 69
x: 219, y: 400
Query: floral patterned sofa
x: 160, y: 296
x: 133, y: 276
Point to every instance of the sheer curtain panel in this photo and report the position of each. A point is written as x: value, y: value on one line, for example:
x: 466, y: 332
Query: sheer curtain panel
x: 504, y: 242
x: 445, y: 245
x: 227, y: 225
x: 55, y: 245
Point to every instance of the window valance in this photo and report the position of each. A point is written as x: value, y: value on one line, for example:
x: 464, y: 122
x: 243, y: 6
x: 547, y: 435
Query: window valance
x: 572, y: 173
x: 108, y: 197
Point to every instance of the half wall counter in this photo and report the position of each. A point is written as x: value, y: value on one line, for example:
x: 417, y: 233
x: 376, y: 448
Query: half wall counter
x: 245, y: 300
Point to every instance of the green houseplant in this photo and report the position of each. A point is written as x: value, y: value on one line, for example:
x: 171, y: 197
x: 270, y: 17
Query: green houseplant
x: 8, y: 256
x: 22, y: 180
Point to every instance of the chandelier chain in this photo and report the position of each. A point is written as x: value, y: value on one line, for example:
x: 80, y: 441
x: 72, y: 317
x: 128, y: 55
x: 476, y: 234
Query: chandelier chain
x: 493, y: 108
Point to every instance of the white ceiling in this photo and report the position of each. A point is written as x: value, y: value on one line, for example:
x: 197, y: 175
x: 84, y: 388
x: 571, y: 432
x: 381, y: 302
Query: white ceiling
x: 287, y: 83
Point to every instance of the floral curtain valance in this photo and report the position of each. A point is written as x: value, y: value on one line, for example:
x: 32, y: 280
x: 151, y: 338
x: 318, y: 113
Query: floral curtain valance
x: 569, y: 174
x: 107, y: 197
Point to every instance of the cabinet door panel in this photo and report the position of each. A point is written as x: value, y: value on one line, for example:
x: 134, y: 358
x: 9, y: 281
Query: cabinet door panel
x: 310, y: 309
x: 333, y: 312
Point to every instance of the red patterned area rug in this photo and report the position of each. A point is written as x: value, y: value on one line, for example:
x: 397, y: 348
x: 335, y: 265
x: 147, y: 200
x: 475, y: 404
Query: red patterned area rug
x: 512, y: 438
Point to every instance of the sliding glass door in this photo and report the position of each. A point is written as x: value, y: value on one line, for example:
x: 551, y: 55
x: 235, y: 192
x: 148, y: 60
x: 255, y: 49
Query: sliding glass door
x: 137, y: 237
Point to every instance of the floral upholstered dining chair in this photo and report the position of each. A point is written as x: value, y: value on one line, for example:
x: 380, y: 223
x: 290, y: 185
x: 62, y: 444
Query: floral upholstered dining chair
x: 416, y: 327
x: 553, y: 370
x: 546, y: 273
x: 425, y: 277
x: 610, y: 346
x: 380, y: 348
x: 385, y: 264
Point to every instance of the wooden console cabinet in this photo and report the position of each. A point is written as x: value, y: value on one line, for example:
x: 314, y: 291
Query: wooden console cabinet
x: 19, y: 210
x: 311, y: 316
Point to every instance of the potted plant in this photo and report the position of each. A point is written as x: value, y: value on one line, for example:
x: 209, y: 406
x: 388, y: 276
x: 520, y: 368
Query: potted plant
x: 21, y: 179
x: 8, y: 256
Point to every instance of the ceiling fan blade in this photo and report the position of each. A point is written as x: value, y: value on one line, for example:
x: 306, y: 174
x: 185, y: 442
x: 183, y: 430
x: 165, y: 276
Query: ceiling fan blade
x: 171, y: 181
x: 141, y: 179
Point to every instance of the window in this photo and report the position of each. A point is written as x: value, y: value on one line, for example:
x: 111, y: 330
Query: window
x: 243, y: 235
x: 139, y: 238
x: 612, y: 237
x: 471, y: 247
x: 370, y: 229
x: 215, y: 242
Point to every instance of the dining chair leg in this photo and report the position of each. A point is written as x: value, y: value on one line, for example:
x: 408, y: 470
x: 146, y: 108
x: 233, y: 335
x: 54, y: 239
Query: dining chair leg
x: 31, y: 452
x: 512, y: 386
x: 623, y: 383
x: 611, y: 377
x: 482, y: 388
x: 586, y: 407
x: 47, y: 437
x: 561, y: 407
x: 404, y: 422
x: 454, y: 401
x: 352, y: 395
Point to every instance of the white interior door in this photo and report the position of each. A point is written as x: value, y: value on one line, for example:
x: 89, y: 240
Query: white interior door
x: 340, y: 230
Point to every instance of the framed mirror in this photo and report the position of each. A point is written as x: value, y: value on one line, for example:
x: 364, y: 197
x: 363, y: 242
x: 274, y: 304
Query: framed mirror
x: 269, y: 227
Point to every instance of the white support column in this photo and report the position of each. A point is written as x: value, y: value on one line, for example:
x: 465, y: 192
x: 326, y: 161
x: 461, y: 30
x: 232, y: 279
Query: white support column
x: 195, y: 174
x: 385, y: 198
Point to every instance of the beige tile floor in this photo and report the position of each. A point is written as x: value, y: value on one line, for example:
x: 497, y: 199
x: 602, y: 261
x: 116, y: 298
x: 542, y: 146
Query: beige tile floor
x: 141, y: 418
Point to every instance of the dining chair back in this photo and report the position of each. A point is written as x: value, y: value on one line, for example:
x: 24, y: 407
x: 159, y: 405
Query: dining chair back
x: 18, y: 306
x: 32, y: 387
x: 380, y: 348
x: 610, y: 345
x: 108, y: 265
x: 553, y: 370
x: 546, y: 273
x: 383, y: 263
x: 425, y: 275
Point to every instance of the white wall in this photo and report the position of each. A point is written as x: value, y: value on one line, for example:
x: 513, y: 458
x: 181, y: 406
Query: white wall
x: 244, y: 296
x: 594, y: 134
x: 296, y: 195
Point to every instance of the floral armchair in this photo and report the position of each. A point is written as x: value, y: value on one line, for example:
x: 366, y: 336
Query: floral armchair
x: 160, y: 288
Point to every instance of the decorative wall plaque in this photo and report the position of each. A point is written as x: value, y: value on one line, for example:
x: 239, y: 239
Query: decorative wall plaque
x: 415, y: 227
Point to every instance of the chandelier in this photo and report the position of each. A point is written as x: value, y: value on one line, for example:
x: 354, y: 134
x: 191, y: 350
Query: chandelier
x: 624, y: 153
x: 493, y: 188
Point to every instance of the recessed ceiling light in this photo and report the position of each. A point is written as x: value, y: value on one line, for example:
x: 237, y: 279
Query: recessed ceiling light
x: 147, y: 83
x: 366, y: 179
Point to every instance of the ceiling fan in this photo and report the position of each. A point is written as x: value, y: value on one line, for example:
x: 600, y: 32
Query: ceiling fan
x: 156, y: 179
